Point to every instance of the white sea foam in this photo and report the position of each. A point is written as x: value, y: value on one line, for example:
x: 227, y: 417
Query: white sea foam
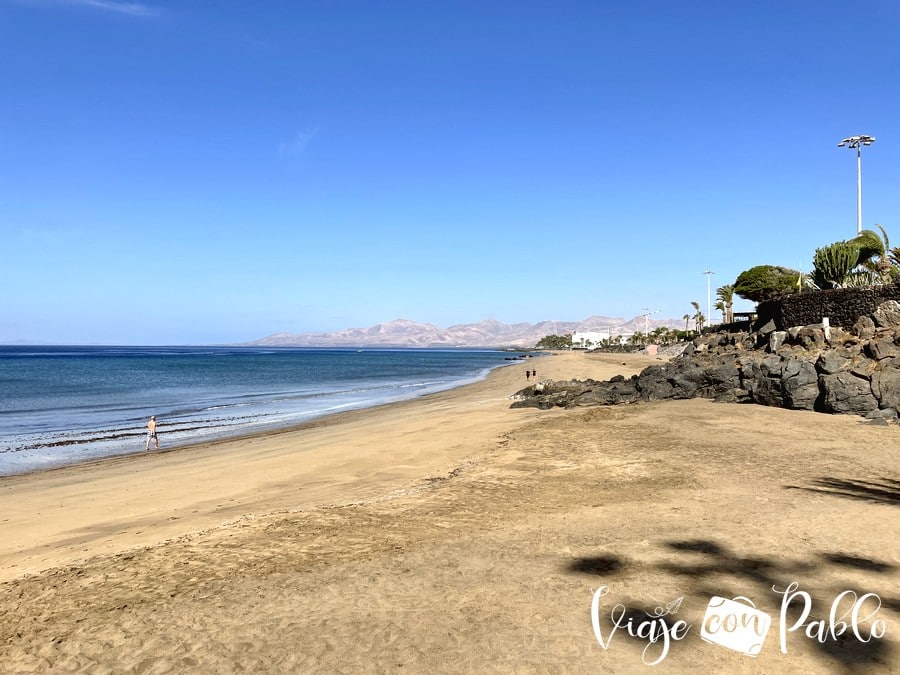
x: 69, y: 405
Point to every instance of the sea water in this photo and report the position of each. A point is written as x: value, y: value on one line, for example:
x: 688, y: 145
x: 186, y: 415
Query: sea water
x: 65, y: 405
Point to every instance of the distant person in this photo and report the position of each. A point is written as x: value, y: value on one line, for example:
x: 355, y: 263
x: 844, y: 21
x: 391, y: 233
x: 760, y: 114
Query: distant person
x: 527, y: 375
x: 151, y: 432
x: 534, y: 374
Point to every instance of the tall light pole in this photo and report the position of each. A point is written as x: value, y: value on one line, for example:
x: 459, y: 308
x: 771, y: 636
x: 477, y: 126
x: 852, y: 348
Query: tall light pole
x: 708, y: 296
x: 647, y: 314
x: 857, y: 142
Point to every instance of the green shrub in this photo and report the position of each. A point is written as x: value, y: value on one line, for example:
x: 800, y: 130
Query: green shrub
x: 766, y: 281
x: 555, y: 342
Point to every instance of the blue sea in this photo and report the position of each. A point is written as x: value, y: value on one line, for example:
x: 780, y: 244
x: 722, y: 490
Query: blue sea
x: 64, y: 405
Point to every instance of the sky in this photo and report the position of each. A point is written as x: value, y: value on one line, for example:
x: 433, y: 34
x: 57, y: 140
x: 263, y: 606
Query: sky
x: 212, y: 172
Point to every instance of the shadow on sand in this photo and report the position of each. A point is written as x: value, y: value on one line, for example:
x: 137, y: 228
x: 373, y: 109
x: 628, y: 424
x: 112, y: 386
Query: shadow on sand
x: 705, y: 561
x: 883, y: 491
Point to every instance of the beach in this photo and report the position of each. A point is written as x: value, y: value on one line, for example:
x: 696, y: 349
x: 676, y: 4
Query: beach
x: 450, y: 533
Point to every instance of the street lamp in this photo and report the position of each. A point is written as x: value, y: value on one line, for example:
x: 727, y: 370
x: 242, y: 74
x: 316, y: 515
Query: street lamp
x: 857, y: 142
x: 647, y: 314
x: 708, y: 297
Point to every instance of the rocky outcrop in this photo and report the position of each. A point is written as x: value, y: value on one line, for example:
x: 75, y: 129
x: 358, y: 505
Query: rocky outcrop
x: 830, y: 370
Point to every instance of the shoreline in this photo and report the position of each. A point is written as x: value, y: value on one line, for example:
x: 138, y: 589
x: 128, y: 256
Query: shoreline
x: 274, y: 428
x: 117, y: 503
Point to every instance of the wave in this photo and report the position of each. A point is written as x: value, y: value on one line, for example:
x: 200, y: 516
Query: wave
x: 98, y: 407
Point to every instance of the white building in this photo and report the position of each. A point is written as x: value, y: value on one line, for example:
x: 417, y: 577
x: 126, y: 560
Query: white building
x: 589, y: 339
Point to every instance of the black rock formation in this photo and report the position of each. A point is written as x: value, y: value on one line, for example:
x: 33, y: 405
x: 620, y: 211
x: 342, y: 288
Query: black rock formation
x: 804, y: 368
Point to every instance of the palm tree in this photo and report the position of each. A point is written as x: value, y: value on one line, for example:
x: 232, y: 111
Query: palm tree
x: 687, y: 318
x: 889, y: 259
x: 698, y: 316
x: 658, y: 335
x: 721, y: 307
x: 725, y: 294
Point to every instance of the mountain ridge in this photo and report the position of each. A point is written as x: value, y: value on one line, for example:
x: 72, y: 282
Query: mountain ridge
x: 485, y: 333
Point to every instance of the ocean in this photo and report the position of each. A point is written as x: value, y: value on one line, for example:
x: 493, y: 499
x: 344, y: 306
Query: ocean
x: 65, y: 405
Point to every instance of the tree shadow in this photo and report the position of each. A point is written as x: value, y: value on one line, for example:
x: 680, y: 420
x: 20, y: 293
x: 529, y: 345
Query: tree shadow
x: 697, y: 546
x: 856, y: 562
x: 883, y: 491
x: 850, y: 652
x: 703, y: 559
x: 597, y: 565
x: 766, y: 574
x: 718, y: 560
x: 891, y: 603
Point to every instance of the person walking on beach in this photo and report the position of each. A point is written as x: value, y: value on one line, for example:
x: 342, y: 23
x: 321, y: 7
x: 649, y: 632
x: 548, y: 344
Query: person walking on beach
x: 527, y: 375
x: 151, y: 432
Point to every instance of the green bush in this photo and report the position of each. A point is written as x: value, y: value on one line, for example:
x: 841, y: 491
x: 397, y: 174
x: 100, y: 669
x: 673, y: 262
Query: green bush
x: 555, y: 342
x: 766, y: 281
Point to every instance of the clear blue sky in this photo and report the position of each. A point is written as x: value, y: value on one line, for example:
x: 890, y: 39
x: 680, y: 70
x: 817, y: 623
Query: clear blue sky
x: 216, y: 171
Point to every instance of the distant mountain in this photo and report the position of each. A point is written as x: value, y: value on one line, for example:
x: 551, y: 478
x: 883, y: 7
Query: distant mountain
x: 487, y: 333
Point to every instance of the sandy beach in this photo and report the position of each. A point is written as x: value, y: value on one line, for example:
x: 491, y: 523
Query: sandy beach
x: 453, y: 534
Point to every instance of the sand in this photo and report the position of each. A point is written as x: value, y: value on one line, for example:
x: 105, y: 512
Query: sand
x: 452, y: 534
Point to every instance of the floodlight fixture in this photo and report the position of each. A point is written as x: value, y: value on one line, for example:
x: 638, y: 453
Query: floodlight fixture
x: 856, y: 141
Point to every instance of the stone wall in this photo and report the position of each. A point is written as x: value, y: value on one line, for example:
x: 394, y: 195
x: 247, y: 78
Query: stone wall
x: 842, y: 306
x: 742, y: 326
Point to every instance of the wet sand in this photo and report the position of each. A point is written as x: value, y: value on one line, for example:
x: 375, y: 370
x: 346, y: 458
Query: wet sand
x: 452, y: 534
